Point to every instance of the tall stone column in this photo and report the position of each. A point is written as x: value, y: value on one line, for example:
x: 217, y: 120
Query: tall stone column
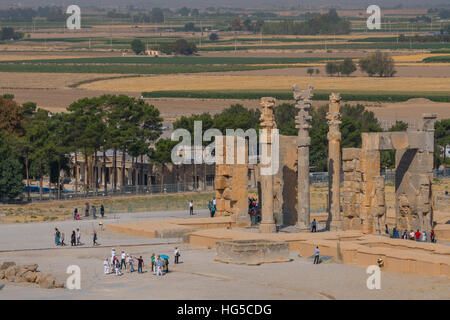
x: 334, y: 164
x: 268, y: 124
x: 303, y: 102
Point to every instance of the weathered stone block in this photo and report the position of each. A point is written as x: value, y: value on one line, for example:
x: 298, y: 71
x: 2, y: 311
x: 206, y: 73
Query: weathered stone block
x: 252, y: 252
x: 350, y: 153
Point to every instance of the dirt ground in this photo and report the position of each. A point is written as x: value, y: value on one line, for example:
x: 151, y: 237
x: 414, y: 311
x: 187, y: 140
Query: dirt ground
x: 198, y: 276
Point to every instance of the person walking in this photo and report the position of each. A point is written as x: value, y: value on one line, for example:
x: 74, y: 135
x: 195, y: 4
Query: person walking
x: 75, y: 214
x: 102, y: 210
x: 140, y: 264
x: 78, y: 237
x: 94, y: 212
x: 214, y: 204
x: 432, y: 237
x: 159, y: 265
x: 191, y: 207
x: 57, y: 237
x: 94, y: 240
x: 314, y: 226
x: 62, y: 239
x: 123, y: 260
x: 176, y: 254
x: 86, y: 210
x: 316, y: 255
x: 73, y: 239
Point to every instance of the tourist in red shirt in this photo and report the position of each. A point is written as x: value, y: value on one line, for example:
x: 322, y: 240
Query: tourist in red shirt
x: 418, y: 235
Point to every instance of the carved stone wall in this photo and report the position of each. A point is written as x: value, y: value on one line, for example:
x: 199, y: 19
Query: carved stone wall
x: 351, y: 207
x: 231, y: 181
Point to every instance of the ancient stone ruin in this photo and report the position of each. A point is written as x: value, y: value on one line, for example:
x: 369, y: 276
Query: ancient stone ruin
x: 231, y: 179
x: 252, y: 252
x: 11, y: 272
x: 284, y: 195
x: 364, y: 200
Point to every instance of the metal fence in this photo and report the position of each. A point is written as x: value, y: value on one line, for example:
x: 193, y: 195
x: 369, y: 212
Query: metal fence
x: 316, y: 178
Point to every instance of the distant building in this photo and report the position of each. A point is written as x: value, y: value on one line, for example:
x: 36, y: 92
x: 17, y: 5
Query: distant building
x: 153, y: 53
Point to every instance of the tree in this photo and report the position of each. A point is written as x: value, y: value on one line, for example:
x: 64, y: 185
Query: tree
x: 38, y: 137
x: 332, y: 67
x: 7, y: 33
x: 157, y: 15
x: 184, y: 11
x: 181, y: 46
x: 137, y: 46
x: 236, y: 24
x: 132, y: 125
x: 378, y: 63
x: 248, y: 26
x: 213, y: 36
x: 90, y: 128
x: 348, y: 66
x: 284, y: 116
x: 190, y: 26
x: 441, y: 139
x: 317, y: 71
x: 195, y: 12
x: 11, y: 117
x: 11, y: 175
x: 310, y: 71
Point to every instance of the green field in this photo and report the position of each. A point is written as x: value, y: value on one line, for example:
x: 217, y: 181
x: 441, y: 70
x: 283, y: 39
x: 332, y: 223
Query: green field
x: 287, y: 95
x: 182, y: 60
x: 328, y: 45
x: 130, y: 69
x: 437, y: 59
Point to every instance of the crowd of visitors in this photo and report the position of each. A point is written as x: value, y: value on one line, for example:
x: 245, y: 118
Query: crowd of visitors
x: 415, y: 236
x: 75, y: 238
x: 125, y: 262
x: 87, y: 209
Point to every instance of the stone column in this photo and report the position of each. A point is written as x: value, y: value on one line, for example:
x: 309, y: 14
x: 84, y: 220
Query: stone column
x: 303, y: 119
x: 334, y: 164
x: 267, y: 123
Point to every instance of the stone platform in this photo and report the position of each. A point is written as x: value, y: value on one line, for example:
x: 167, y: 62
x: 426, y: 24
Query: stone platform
x: 350, y: 247
x: 252, y: 252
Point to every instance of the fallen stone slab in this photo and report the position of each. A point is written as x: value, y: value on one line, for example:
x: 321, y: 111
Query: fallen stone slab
x: 252, y: 252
